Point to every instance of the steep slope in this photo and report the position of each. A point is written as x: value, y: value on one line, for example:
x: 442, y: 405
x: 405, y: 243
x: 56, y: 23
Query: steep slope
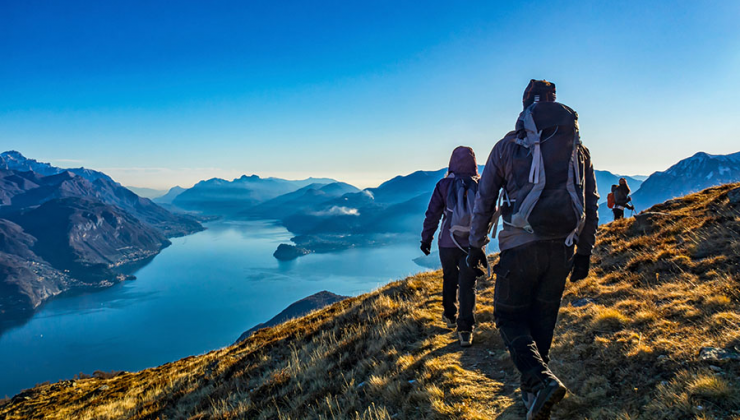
x: 67, y: 243
x: 14, y: 183
x: 50, y: 187
x: 171, y: 224
x: 88, y: 238
x: 23, y: 190
x: 627, y: 345
x: 687, y: 176
x: 66, y: 230
x: 26, y: 279
x: 64, y: 244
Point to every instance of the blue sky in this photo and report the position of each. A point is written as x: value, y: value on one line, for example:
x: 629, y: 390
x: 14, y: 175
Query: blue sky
x: 165, y: 93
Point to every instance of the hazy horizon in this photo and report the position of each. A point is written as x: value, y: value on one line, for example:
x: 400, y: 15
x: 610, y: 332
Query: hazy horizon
x: 232, y: 175
x: 71, y: 164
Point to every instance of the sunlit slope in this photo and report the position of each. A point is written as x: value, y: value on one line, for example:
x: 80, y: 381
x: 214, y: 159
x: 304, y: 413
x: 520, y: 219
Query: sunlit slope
x: 627, y: 345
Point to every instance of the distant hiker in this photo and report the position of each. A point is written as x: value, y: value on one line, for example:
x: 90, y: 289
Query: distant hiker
x: 454, y: 197
x: 548, y: 204
x: 620, y: 199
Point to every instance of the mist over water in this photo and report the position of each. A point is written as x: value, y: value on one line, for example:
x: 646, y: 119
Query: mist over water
x: 198, y: 295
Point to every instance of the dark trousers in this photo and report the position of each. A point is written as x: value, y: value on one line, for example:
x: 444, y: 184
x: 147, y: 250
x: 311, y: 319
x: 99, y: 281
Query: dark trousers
x: 529, y: 285
x: 457, y: 275
x: 618, y: 213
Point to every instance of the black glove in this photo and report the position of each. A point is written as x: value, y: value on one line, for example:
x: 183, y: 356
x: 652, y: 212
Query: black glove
x: 426, y: 248
x: 581, y: 266
x: 476, y: 259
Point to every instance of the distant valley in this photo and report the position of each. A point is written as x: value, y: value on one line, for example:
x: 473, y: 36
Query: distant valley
x: 327, y: 215
x: 65, y: 229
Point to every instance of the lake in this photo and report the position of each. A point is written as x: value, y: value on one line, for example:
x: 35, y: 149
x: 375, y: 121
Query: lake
x: 198, y: 295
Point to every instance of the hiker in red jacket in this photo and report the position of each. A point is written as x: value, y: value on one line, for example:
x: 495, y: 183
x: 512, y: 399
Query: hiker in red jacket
x: 462, y: 176
x: 549, y: 207
x: 622, y: 199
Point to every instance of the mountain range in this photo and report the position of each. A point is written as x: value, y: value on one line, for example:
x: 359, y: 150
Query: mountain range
x: 326, y: 215
x: 689, y: 175
x: 226, y: 198
x: 69, y: 229
x: 170, y: 196
x: 303, y: 200
x: 14, y: 161
x: 650, y: 333
x: 374, y: 215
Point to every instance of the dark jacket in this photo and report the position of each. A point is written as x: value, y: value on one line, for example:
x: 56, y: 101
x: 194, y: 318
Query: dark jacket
x: 621, y: 195
x: 462, y: 164
x: 498, y: 174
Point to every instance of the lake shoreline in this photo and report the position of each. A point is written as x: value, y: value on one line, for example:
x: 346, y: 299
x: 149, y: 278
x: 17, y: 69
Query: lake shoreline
x: 197, y: 295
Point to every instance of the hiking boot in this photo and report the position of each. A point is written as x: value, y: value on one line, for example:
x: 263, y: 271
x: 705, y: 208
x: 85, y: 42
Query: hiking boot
x: 466, y: 338
x: 450, y: 322
x: 551, y: 394
x: 528, y: 399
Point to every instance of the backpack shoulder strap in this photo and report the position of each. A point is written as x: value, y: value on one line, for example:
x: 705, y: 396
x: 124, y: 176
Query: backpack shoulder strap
x: 530, y: 140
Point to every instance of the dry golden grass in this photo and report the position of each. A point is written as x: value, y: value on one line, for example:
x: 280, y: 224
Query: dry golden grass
x: 607, y: 319
x: 662, y: 287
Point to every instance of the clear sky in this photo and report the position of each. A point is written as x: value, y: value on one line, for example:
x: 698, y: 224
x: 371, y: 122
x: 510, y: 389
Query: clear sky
x: 161, y: 93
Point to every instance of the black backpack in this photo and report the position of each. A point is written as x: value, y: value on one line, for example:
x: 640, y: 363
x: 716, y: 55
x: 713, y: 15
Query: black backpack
x: 460, y: 203
x: 549, y: 173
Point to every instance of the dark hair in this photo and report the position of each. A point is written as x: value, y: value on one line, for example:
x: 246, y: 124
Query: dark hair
x: 625, y: 184
x: 541, y: 89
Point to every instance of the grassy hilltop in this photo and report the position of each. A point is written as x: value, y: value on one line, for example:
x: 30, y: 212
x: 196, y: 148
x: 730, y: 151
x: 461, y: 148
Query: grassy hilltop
x: 627, y: 345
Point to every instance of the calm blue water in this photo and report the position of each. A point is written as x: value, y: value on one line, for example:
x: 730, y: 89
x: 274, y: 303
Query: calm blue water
x: 199, y: 294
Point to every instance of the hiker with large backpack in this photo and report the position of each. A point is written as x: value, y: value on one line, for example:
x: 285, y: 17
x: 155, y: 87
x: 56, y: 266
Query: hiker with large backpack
x: 548, y: 205
x: 454, y: 198
x: 619, y: 199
